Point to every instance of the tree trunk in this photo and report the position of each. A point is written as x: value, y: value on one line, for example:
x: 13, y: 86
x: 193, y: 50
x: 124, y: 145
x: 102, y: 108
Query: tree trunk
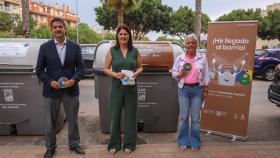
x: 197, y: 27
x: 120, y: 16
x: 25, y: 18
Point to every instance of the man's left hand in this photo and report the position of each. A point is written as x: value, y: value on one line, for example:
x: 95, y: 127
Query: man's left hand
x: 70, y: 83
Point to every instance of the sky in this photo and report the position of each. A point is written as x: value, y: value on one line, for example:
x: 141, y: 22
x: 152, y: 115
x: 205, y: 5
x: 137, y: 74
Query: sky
x: 213, y: 8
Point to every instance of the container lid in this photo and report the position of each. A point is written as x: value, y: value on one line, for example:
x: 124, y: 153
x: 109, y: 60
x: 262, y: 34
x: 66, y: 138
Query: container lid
x: 19, y: 53
x: 156, y: 56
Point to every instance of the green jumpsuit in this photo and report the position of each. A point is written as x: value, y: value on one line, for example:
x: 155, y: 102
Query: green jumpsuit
x: 123, y: 97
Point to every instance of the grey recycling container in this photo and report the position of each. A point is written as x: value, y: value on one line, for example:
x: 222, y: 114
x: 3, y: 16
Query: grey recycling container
x: 21, y: 100
x: 158, y: 108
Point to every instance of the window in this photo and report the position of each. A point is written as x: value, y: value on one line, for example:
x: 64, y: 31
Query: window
x: 60, y: 13
x: 260, y: 52
x: 278, y: 54
x: 88, y: 49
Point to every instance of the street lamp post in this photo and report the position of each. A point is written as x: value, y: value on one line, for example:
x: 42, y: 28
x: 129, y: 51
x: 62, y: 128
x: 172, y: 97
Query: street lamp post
x: 77, y: 26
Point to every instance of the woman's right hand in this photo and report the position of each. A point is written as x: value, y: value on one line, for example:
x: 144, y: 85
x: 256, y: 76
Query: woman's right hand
x: 181, y: 74
x: 119, y: 75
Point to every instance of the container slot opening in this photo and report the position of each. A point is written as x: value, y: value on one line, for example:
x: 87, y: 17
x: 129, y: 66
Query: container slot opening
x: 141, y: 123
x: 140, y: 126
x: 13, y: 129
x: 13, y: 126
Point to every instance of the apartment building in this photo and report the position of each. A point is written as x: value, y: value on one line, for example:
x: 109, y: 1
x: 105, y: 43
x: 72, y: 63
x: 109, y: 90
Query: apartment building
x: 43, y: 13
x: 11, y: 6
x: 274, y: 43
x: 270, y: 7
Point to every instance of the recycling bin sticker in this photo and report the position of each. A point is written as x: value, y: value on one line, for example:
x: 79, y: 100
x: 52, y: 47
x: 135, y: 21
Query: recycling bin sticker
x: 13, y: 49
x: 9, y: 92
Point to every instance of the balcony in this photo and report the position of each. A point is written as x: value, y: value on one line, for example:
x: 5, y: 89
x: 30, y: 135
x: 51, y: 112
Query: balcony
x: 71, y: 18
x: 7, y: 9
x: 13, y: 1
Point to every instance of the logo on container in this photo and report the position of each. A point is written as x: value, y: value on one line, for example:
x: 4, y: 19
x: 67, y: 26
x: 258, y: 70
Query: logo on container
x: 141, y: 94
x: 8, y: 95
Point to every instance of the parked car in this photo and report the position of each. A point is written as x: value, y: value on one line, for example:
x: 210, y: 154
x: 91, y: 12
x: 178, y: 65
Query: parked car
x: 274, y: 88
x: 88, y: 51
x: 265, y: 62
x: 202, y: 50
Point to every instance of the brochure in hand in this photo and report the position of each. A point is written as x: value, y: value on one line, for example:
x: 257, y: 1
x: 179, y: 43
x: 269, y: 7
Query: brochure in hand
x: 128, y: 80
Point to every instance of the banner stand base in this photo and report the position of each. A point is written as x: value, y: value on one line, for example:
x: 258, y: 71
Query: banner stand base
x: 234, y: 137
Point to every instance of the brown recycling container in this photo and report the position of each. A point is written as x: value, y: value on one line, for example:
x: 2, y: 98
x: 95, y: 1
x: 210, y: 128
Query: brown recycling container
x: 158, y: 108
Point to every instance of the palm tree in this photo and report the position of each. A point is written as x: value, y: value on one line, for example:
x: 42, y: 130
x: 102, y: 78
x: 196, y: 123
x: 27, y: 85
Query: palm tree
x: 25, y: 18
x: 197, y: 26
x: 120, y: 6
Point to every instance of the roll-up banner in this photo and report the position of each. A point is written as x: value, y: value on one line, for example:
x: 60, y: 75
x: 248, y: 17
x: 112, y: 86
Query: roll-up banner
x: 230, y: 55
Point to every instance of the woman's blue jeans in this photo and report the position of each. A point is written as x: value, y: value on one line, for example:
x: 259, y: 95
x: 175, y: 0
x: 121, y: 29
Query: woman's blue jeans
x: 190, y: 102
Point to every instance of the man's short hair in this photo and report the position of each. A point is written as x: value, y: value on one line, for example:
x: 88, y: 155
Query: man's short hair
x: 58, y: 20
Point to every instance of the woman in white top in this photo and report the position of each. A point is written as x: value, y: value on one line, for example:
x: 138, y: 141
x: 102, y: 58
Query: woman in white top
x: 191, y: 71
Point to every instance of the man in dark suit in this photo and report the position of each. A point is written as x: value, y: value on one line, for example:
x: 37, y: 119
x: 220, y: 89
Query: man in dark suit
x: 60, y: 58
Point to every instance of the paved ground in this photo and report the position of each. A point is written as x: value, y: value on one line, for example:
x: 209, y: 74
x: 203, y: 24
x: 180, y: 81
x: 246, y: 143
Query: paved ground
x: 212, y: 150
x: 263, y: 135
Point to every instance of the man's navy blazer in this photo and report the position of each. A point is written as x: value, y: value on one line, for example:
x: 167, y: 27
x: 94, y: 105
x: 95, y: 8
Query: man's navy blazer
x: 49, y: 68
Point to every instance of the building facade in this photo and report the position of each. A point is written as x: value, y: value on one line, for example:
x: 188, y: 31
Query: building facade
x: 43, y: 14
x: 270, y: 7
x: 274, y: 43
x: 11, y: 6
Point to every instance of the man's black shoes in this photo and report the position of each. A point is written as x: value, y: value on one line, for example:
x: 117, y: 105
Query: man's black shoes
x: 49, y: 153
x: 78, y: 150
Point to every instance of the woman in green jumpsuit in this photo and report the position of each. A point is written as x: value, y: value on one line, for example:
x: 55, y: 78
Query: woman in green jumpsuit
x: 123, y: 56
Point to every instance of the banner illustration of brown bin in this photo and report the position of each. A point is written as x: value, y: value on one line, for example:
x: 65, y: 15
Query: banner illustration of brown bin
x: 230, y: 55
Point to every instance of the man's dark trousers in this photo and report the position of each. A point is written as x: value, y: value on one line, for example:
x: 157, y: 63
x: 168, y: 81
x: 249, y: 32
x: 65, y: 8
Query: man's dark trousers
x: 52, y: 108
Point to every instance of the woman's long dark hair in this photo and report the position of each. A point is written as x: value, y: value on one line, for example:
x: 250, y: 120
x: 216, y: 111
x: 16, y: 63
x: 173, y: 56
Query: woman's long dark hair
x: 129, y: 44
